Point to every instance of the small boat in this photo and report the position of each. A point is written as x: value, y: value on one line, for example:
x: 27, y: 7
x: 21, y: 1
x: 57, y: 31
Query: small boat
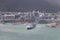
x: 53, y: 25
x: 30, y: 26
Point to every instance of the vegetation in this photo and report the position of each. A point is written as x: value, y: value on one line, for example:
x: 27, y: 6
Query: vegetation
x: 27, y: 5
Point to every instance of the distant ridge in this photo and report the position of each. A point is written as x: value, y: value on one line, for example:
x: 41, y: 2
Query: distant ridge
x: 27, y: 5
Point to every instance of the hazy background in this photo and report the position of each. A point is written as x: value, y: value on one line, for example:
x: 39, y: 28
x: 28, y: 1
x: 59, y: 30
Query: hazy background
x: 29, y: 5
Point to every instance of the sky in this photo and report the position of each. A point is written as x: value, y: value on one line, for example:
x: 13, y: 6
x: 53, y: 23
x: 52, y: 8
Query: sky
x: 54, y: 1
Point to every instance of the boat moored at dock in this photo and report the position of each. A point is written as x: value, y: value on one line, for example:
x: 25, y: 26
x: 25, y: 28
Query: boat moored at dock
x: 57, y: 25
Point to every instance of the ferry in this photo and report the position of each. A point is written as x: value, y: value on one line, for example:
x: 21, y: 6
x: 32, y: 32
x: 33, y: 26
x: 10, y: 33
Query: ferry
x: 30, y: 26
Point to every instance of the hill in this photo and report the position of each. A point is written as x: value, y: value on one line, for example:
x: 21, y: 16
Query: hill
x: 28, y: 5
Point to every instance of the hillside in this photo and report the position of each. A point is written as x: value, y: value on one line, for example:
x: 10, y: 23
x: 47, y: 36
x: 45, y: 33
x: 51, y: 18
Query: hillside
x: 27, y: 5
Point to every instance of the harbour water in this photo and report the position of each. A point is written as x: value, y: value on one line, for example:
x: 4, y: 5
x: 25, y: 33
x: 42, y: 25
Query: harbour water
x: 19, y: 32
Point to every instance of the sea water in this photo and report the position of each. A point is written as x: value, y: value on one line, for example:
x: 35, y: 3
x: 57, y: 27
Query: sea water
x: 19, y: 32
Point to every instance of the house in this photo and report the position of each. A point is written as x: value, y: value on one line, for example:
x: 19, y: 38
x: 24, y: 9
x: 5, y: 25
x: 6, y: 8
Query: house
x: 8, y: 18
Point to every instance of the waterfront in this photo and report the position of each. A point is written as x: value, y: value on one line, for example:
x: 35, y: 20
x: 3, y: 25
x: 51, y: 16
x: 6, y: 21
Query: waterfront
x: 19, y: 32
x: 30, y: 16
